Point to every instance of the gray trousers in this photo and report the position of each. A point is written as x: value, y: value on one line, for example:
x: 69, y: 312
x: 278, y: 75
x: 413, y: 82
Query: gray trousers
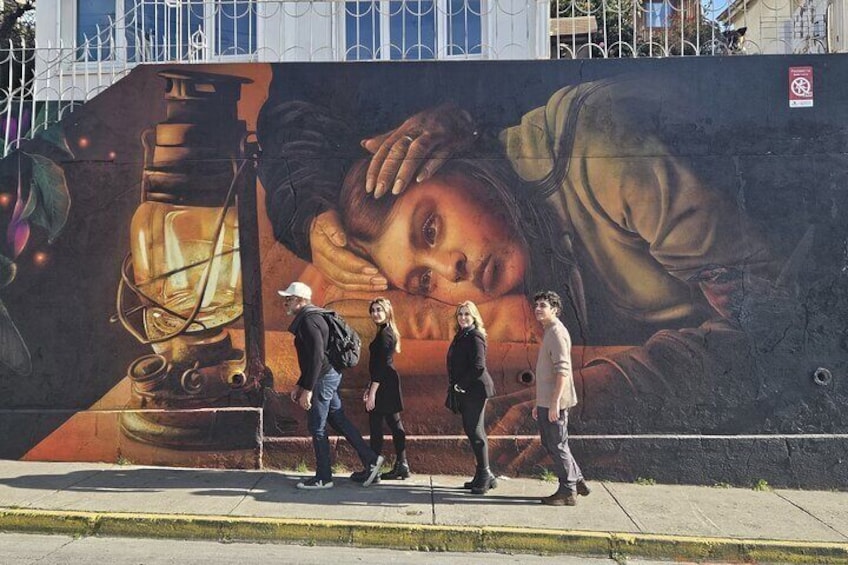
x: 554, y: 436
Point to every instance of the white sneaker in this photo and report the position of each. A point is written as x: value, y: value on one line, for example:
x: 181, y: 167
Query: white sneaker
x: 314, y: 483
x: 374, y: 471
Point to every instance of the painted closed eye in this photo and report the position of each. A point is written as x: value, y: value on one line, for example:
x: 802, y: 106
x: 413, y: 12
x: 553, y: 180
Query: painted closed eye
x: 430, y: 229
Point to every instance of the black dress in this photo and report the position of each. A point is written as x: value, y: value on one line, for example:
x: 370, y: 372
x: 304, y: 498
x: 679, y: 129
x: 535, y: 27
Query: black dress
x: 382, y: 369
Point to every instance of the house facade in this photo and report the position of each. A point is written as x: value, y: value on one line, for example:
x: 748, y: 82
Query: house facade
x: 111, y: 35
x: 790, y: 26
x: 261, y: 30
x: 83, y: 46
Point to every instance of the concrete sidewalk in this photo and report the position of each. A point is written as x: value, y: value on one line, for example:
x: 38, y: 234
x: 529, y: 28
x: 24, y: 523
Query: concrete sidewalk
x: 428, y: 512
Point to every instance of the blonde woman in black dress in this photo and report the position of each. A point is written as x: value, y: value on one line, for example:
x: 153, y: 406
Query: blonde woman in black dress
x: 383, y: 399
x: 472, y: 386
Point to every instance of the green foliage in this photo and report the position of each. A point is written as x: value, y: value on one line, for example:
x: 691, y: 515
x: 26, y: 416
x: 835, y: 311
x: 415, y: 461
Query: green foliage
x: 645, y: 481
x: 17, y: 33
x: 547, y: 475
x: 616, y: 17
x: 17, y: 22
x: 619, y: 557
x: 722, y: 485
x: 301, y: 467
x: 761, y: 485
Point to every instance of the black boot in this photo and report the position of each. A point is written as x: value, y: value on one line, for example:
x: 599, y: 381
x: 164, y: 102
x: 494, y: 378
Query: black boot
x: 485, y: 482
x: 474, y: 480
x: 399, y: 471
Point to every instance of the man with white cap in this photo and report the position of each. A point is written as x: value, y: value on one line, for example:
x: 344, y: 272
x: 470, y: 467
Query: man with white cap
x: 317, y: 389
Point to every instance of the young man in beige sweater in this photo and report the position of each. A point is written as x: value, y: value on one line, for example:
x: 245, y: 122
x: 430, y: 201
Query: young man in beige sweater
x: 555, y: 394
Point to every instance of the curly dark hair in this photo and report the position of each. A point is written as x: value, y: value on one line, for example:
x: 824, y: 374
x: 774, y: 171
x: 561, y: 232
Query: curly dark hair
x: 551, y: 298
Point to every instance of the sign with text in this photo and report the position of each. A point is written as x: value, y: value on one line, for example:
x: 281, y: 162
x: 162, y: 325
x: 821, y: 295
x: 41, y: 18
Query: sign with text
x: 800, y: 87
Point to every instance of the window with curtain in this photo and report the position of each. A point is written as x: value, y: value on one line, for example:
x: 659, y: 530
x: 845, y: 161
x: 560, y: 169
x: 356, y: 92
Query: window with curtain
x: 657, y: 14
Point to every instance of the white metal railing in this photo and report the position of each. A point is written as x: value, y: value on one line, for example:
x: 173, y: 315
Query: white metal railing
x: 44, y: 82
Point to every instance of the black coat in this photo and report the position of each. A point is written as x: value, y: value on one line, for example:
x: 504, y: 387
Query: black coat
x: 467, y: 364
x: 310, y: 340
x: 382, y: 368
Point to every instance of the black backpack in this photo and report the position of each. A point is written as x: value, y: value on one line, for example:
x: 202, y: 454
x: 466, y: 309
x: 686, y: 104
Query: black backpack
x: 343, y: 344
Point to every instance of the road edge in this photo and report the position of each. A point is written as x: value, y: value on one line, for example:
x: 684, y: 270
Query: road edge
x: 418, y: 537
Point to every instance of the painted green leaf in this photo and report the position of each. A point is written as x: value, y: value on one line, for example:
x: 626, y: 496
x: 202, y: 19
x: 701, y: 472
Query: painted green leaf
x: 54, y: 200
x: 14, y: 354
x: 55, y: 135
x: 7, y: 271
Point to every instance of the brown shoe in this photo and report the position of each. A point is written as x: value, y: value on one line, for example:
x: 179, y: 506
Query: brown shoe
x: 582, y: 488
x: 560, y: 498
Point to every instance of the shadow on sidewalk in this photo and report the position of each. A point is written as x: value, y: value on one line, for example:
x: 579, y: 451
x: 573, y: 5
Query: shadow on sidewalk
x: 262, y: 487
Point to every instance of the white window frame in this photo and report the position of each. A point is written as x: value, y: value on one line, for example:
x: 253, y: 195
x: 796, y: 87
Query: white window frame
x: 208, y: 19
x: 118, y: 4
x: 384, y: 48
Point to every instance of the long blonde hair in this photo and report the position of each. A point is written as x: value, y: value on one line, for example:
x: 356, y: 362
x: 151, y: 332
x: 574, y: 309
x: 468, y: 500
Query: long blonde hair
x: 475, y: 315
x: 390, y: 317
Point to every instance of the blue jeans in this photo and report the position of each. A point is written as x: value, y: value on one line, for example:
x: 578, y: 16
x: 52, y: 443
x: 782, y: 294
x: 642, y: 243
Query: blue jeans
x: 327, y: 408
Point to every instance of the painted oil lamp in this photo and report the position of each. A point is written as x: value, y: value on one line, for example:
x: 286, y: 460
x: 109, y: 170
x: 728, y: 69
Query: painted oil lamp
x: 185, y: 273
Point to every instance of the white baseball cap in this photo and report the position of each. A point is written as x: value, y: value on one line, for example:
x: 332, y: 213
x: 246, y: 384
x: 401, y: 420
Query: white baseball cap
x: 298, y: 289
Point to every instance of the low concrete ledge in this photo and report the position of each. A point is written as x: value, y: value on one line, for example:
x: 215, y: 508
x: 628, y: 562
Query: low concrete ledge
x: 808, y: 461
x: 418, y: 537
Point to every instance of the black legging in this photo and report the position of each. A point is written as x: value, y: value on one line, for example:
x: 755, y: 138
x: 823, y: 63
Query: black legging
x: 375, y: 422
x: 473, y: 410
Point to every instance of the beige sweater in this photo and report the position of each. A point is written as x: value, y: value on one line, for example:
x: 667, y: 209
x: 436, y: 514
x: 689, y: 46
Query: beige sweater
x: 555, y: 359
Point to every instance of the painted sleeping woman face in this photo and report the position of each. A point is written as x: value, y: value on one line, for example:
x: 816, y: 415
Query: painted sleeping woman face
x: 443, y: 241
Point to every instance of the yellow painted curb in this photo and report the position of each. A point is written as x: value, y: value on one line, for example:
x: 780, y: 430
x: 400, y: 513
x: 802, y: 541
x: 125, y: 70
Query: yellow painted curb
x: 418, y: 536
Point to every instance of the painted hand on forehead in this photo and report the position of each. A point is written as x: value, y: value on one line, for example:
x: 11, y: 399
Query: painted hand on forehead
x: 417, y: 149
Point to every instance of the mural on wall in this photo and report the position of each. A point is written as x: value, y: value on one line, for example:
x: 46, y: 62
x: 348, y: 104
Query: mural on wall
x: 40, y: 197
x: 657, y: 206
x: 694, y: 227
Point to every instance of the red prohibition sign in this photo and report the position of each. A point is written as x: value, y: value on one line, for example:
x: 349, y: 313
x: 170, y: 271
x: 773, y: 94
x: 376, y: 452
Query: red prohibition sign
x: 802, y: 87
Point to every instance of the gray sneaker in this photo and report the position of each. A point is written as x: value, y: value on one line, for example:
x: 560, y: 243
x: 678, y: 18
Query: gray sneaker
x: 314, y: 483
x: 373, y: 471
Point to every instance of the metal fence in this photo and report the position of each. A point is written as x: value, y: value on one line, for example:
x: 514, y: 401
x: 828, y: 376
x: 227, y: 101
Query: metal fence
x: 45, y: 81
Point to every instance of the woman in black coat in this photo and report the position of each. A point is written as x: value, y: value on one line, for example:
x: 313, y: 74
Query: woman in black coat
x: 471, y: 386
x: 383, y: 399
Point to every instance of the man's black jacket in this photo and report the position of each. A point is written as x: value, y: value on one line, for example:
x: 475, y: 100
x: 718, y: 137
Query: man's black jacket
x: 310, y: 340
